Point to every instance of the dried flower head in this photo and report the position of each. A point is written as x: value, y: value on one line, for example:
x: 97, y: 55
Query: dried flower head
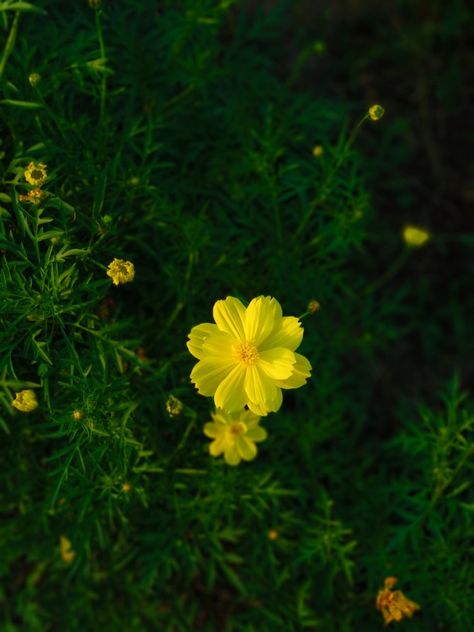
x: 393, y: 604
x: 248, y: 356
x: 34, y: 79
x: 33, y: 197
x: 313, y: 307
x: 121, y: 271
x: 318, y: 151
x: 36, y: 174
x: 65, y: 549
x: 235, y: 435
x: 25, y: 401
x: 174, y: 407
x: 376, y: 112
x: 415, y: 237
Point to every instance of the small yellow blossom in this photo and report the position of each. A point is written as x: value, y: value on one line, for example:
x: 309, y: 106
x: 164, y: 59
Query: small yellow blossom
x: 318, y: 151
x: 126, y: 488
x: 34, y: 79
x: 415, y: 237
x: 248, y: 356
x: 77, y: 415
x: 66, y: 550
x: 25, y: 401
x: 174, y: 407
x: 313, y: 307
x: 235, y: 435
x: 393, y: 604
x: 33, y: 197
x: 376, y: 112
x: 273, y: 534
x: 121, y: 271
x: 36, y: 174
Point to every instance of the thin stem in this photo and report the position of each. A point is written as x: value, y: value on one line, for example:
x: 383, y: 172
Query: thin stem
x: 103, y: 80
x: 10, y: 43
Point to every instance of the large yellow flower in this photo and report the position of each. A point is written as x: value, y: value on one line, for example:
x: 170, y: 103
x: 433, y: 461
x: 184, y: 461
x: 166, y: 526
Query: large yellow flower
x: 235, y: 435
x: 248, y: 356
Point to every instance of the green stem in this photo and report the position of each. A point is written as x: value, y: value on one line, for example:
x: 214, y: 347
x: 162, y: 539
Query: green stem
x: 396, y: 266
x: 10, y: 43
x: 103, y: 80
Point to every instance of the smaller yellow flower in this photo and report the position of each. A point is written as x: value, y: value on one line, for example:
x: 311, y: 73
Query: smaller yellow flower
x: 393, y: 604
x: 34, y: 79
x: 313, y: 307
x: 235, y: 435
x: 121, y: 271
x: 36, y: 174
x: 174, y: 407
x: 33, y: 197
x: 126, y: 488
x: 77, y: 415
x: 25, y: 401
x: 318, y: 151
x: 273, y: 534
x: 415, y: 237
x: 66, y: 550
x: 376, y: 112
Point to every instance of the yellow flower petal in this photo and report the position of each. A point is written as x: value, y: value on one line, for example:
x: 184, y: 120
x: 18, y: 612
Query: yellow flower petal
x: 260, y: 318
x: 197, y: 336
x: 211, y: 430
x: 301, y: 372
x: 256, y: 434
x: 230, y: 394
x: 216, y: 448
x: 287, y: 333
x: 276, y: 363
x: 231, y: 456
x: 219, y: 344
x: 229, y: 316
x: 259, y: 387
x: 247, y: 449
x: 209, y: 373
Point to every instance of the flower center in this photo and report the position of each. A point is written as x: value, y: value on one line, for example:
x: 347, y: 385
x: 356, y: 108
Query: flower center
x: 237, y: 428
x: 246, y: 352
x: 36, y: 174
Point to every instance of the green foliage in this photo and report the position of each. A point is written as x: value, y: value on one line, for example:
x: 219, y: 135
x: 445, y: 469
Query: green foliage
x: 177, y: 136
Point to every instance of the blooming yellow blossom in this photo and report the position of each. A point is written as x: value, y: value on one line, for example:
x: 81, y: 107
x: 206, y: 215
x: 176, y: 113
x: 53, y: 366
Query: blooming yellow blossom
x: 415, y: 237
x: 235, y: 435
x: 393, y: 604
x: 318, y: 151
x: 34, y: 196
x: 36, y: 173
x: 248, y: 356
x: 121, y: 271
x: 66, y: 550
x: 376, y: 112
x: 25, y: 401
x: 174, y: 407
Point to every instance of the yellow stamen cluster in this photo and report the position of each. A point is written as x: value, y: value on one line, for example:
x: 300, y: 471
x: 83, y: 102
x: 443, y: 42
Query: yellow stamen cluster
x: 121, y: 271
x: 393, y: 604
x: 415, y: 237
x: 25, y: 401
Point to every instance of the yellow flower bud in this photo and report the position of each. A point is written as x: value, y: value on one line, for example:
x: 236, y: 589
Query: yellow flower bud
x: 174, y: 407
x: 25, y: 401
x: 415, y: 237
x: 77, y: 415
x: 121, y: 271
x: 376, y: 112
x: 272, y: 534
x: 34, y: 79
x: 313, y: 307
x: 66, y: 551
x: 318, y: 151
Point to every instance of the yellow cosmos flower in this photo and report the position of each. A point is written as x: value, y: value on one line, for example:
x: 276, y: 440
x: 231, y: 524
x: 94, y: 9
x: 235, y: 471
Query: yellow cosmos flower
x: 66, y: 550
x: 25, y: 401
x: 36, y: 173
x: 393, y: 604
x: 415, y: 237
x: 248, y: 356
x: 121, y: 271
x: 235, y: 435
